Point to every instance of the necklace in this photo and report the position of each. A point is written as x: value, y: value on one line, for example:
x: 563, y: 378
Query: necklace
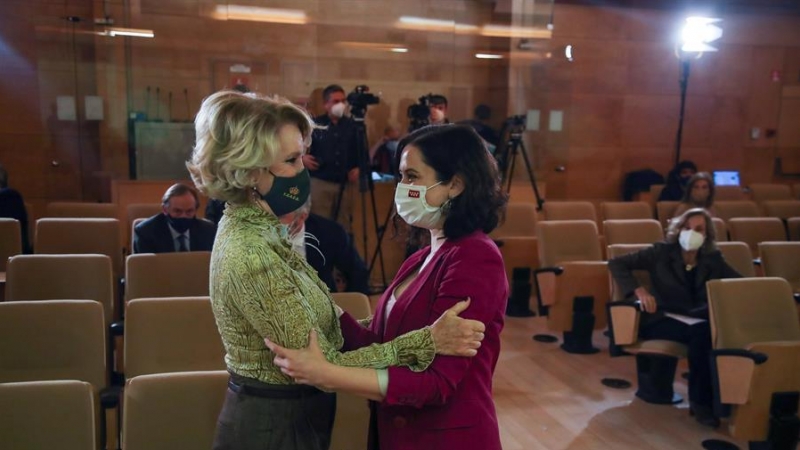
x: 689, y: 267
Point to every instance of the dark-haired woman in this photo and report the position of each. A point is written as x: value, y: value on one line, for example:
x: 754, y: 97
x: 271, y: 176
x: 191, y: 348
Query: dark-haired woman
x: 451, y: 187
x: 700, y: 192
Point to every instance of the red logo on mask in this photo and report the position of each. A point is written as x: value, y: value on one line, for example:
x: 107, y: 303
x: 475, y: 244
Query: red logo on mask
x: 413, y: 194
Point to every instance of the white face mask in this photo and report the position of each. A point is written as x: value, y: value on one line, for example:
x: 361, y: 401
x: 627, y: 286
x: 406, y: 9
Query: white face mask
x: 437, y: 115
x: 337, y: 110
x: 414, y: 209
x: 691, y: 240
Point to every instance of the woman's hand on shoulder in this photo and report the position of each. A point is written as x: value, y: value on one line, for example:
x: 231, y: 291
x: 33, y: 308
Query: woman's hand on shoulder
x: 455, y: 336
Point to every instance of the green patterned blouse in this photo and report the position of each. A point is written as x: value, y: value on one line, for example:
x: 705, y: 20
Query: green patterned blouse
x: 261, y: 288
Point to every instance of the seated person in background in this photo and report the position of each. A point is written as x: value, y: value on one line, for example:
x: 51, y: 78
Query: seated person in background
x: 677, y: 179
x: 13, y: 207
x: 480, y: 123
x: 699, y: 194
x: 382, y: 154
x: 177, y: 229
x: 679, y: 269
x: 322, y: 242
x: 325, y: 246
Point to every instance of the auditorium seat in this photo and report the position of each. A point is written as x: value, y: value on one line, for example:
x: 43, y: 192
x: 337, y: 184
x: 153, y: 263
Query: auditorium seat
x: 642, y: 231
x: 171, y: 335
x: 355, y: 303
x: 796, y: 191
x: 569, y: 211
x: 761, y: 192
x: 173, y: 410
x: 782, y: 209
x: 656, y: 359
x: 655, y: 193
x: 720, y: 228
x: 81, y: 210
x: 41, y: 415
x: 520, y: 220
x: 793, y: 224
x: 782, y: 259
x: 183, y: 274
x: 572, y: 284
x: 727, y: 210
x: 516, y: 239
x: 133, y: 226
x: 739, y: 257
x: 626, y: 210
x: 727, y: 193
x: 665, y: 211
x: 752, y: 230
x: 756, y: 358
x: 78, y: 236
x: 137, y: 211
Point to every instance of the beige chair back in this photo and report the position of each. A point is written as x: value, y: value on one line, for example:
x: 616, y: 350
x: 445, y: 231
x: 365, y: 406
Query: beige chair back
x: 782, y: 209
x: 729, y: 193
x: 143, y: 210
x: 721, y: 228
x: 53, y: 340
x: 748, y: 310
x: 782, y: 259
x: 569, y: 211
x: 727, y: 210
x: 81, y: 210
x: 10, y: 240
x: 761, y: 192
x: 355, y: 303
x: 77, y: 236
x: 665, y: 211
x: 165, y: 335
x: 520, y: 220
x: 351, y: 423
x: 753, y: 230
x: 739, y: 257
x: 568, y: 240
x: 626, y: 210
x: 655, y: 192
x: 173, y: 410
x: 642, y: 231
x: 48, y: 415
x: 54, y: 277
x: 149, y: 275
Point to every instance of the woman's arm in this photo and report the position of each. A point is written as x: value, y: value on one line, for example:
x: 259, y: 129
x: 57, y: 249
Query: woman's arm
x: 622, y: 268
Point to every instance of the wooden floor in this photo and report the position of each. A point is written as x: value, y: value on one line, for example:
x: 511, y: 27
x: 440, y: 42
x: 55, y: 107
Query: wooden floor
x: 548, y: 399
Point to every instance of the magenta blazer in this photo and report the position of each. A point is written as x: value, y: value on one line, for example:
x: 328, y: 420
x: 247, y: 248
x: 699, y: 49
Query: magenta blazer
x: 450, y: 404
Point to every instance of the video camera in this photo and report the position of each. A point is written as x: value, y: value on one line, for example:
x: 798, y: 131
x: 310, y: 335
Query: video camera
x: 360, y: 99
x: 419, y: 114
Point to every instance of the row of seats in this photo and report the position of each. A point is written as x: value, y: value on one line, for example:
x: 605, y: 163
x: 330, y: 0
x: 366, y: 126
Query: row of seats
x: 758, y: 192
x: 163, y: 336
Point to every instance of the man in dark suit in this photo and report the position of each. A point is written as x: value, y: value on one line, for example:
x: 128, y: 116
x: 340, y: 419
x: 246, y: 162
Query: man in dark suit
x: 13, y: 207
x: 177, y: 229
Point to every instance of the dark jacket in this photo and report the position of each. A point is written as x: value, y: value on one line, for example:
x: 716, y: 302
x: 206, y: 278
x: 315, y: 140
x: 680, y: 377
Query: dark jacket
x: 672, y: 286
x: 13, y: 207
x: 153, y: 236
x: 339, y: 252
x: 334, y: 147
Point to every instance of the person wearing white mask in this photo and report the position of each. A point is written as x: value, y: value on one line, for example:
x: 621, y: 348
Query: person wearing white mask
x: 331, y: 159
x: 450, y: 188
x: 437, y: 104
x: 676, y: 308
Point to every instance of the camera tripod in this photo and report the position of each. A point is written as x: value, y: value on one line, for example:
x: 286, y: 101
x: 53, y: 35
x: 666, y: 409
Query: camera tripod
x: 513, y: 146
x: 365, y: 184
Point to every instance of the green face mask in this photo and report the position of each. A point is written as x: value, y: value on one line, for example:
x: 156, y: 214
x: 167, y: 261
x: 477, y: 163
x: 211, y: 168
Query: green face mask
x: 288, y: 193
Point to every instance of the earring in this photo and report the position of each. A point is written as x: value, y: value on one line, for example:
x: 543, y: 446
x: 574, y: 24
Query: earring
x: 446, y: 206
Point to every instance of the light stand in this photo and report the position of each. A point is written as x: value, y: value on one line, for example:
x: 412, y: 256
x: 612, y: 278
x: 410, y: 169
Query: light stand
x: 683, y: 82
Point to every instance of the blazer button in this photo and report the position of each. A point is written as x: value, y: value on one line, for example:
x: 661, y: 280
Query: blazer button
x: 399, y: 422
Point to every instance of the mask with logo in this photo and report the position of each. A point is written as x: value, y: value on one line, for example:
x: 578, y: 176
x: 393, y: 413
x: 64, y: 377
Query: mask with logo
x: 337, y: 110
x: 180, y: 224
x: 437, y: 115
x: 288, y: 193
x: 691, y: 240
x: 414, y: 209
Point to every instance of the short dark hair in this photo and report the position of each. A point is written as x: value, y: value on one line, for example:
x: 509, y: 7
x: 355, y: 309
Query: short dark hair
x: 458, y: 150
x: 687, y: 194
x: 3, y: 177
x: 437, y: 99
x: 326, y: 93
x: 178, y: 189
x: 686, y: 164
x: 483, y: 112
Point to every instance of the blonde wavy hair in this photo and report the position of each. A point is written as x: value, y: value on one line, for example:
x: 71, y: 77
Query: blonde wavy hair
x: 676, y: 225
x: 237, y: 136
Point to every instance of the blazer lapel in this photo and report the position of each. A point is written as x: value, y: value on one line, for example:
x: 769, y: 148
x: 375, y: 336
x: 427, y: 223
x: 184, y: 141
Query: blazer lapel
x: 412, y: 292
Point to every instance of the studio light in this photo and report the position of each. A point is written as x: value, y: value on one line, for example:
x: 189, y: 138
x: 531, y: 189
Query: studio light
x: 132, y: 32
x: 488, y: 56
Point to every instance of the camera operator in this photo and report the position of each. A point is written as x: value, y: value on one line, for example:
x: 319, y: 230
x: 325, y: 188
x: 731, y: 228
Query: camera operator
x: 438, y: 109
x: 331, y: 159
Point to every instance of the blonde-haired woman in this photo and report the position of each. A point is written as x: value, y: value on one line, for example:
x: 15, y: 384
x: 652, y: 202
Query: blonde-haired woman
x: 700, y: 193
x: 679, y: 269
x: 249, y: 154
